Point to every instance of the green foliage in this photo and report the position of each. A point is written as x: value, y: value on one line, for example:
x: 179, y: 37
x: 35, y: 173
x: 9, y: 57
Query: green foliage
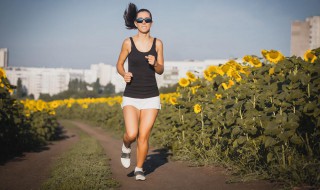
x: 21, y: 133
x: 21, y: 90
x: 103, y: 115
x: 266, y: 123
x: 79, y: 89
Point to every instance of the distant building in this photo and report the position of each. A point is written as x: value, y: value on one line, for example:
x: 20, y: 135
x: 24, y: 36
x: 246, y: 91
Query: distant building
x: 305, y: 35
x: 3, y: 57
x: 54, y: 80
x: 104, y: 72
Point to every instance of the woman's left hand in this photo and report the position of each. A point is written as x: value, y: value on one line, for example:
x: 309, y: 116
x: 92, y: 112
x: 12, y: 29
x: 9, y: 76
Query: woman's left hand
x: 151, y: 60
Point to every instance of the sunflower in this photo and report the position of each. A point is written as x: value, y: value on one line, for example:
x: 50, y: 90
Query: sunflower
x: 194, y: 89
x: 247, y: 58
x: 207, y: 75
x: 191, y: 76
x: 231, y: 83
x: 184, y: 82
x: 225, y: 86
x: 54, y: 104
x: 218, y: 96
x: 40, y: 105
x: 271, y: 71
x: 236, y: 65
x: 274, y: 56
x: 173, y: 100
x: 225, y: 68
x: 255, y: 62
x: 264, y: 53
x: 2, y: 73
x: 236, y: 76
x: 84, y: 106
x: 215, y: 69
x: 197, y: 108
x: 309, y: 56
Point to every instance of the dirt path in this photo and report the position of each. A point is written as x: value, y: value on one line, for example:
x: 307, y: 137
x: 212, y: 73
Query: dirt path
x: 162, y: 173
x: 30, y: 170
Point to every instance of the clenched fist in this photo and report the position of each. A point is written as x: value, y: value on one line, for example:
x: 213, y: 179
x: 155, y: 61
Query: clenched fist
x: 127, y: 77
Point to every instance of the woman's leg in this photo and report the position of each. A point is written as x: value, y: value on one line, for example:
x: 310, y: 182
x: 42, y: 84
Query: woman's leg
x: 131, y: 118
x: 147, y: 119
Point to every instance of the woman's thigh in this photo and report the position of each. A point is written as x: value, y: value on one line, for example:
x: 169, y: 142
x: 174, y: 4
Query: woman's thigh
x: 131, y: 119
x: 147, y: 119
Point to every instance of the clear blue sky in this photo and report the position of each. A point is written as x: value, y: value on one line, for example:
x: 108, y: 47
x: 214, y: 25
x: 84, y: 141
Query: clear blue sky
x: 77, y: 33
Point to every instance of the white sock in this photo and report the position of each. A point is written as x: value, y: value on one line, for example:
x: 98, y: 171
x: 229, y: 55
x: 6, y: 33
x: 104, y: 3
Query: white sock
x: 125, y: 149
x: 138, y: 169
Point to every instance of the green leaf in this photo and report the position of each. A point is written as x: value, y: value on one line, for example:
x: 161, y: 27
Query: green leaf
x: 236, y: 131
x: 235, y: 144
x: 272, y: 129
x: 269, y: 141
x: 269, y: 157
x: 309, y: 107
x: 241, y: 139
x: 286, y: 135
x: 295, y: 139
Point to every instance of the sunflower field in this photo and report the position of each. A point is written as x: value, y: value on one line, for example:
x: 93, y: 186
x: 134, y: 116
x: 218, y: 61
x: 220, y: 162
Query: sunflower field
x: 258, y: 116
x: 23, y: 126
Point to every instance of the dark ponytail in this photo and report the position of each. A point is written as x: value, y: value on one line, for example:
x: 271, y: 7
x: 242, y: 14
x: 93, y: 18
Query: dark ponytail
x: 130, y: 15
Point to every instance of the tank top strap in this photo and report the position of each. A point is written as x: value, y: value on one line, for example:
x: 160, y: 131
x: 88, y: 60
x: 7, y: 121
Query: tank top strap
x: 132, y: 43
x: 154, y: 43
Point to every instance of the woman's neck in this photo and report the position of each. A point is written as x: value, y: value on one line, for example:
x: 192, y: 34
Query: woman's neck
x: 142, y: 36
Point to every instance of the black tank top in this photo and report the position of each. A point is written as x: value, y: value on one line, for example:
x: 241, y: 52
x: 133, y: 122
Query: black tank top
x: 143, y: 83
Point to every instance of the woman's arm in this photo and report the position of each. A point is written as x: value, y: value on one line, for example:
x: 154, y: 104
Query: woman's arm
x: 159, y: 64
x: 125, y: 50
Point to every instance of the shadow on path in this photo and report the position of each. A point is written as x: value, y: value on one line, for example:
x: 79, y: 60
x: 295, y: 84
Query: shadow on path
x: 18, y: 154
x: 157, y: 158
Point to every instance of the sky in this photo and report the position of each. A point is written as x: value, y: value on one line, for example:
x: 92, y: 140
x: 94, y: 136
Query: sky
x: 78, y: 33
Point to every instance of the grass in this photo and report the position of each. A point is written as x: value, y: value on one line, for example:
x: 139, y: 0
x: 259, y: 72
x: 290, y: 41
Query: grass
x: 84, y: 166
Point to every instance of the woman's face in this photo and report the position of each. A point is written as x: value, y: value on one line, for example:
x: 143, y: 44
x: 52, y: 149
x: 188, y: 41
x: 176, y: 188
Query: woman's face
x: 143, y: 27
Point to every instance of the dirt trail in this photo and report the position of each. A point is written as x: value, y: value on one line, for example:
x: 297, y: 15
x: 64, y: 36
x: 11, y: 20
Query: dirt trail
x: 33, y: 168
x: 162, y: 173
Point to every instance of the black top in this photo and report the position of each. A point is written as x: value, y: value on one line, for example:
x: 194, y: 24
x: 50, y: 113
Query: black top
x: 143, y: 83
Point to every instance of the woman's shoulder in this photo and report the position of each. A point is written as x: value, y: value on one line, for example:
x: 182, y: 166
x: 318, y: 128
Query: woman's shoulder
x: 158, y: 43
x: 127, y: 43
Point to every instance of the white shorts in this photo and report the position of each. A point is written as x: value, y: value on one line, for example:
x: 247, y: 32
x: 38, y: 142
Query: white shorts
x: 142, y: 103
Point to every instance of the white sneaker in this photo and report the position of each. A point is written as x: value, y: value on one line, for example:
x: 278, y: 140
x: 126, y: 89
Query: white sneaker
x: 140, y: 175
x: 125, y: 159
x: 125, y: 156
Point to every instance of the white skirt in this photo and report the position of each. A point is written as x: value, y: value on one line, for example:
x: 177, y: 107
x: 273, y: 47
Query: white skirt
x: 142, y: 103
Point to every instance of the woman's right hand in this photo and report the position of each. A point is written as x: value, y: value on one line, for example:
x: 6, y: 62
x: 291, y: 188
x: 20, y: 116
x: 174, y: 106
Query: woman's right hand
x: 127, y: 77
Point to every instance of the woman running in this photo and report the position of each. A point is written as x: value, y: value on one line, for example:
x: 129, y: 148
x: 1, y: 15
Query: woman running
x: 141, y: 101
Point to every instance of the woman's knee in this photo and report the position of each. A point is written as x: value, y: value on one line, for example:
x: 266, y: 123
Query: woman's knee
x: 143, y: 139
x: 131, y: 136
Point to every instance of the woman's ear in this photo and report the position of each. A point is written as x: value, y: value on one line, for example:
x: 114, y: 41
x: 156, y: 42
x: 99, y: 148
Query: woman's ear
x: 135, y: 23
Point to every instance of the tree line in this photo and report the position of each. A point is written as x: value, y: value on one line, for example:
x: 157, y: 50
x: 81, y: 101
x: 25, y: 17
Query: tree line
x: 79, y: 89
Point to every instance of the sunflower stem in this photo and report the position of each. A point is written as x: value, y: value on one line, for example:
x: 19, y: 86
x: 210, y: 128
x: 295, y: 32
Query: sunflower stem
x: 240, y: 111
x: 283, y: 158
x: 202, y: 124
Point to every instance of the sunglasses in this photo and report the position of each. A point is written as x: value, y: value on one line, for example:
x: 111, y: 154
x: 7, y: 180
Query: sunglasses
x: 147, y: 20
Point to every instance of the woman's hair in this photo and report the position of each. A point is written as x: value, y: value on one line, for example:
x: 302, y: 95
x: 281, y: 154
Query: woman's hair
x: 130, y: 15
